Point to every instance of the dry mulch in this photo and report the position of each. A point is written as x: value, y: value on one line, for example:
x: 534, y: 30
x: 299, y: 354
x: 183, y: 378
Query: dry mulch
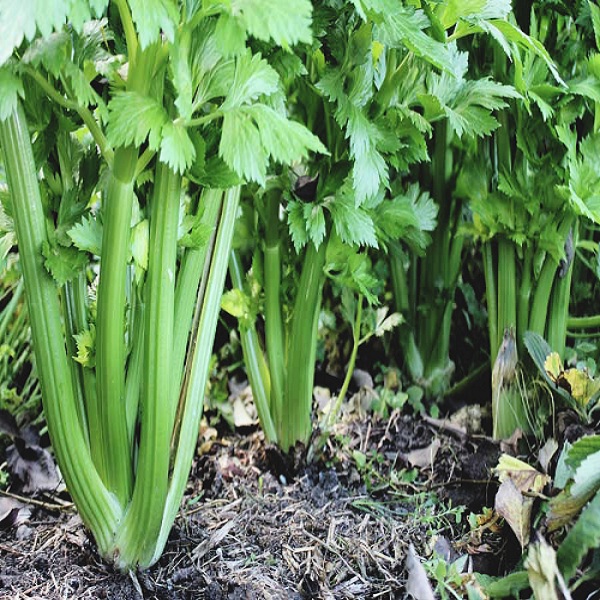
x: 252, y: 527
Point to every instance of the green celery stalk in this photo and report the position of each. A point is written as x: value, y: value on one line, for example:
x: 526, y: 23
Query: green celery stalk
x: 274, y: 333
x: 199, y: 354
x: 99, y: 509
x: 295, y: 424
x: 137, y: 535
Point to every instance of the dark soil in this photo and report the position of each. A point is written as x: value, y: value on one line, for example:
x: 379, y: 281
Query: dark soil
x: 338, y: 528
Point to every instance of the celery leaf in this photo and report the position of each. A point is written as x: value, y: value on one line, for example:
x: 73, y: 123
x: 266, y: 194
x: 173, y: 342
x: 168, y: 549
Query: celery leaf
x: 352, y: 223
x: 133, y: 118
x: 11, y: 87
x: 87, y: 235
x: 252, y: 77
x: 176, y: 147
x: 154, y: 17
x: 63, y: 263
x: 285, y: 23
x: 241, y: 147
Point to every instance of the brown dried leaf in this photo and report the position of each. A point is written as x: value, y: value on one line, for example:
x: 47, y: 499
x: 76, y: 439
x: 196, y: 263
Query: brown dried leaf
x: 515, y: 508
x: 542, y: 570
x: 525, y: 477
x: 546, y: 453
x: 424, y: 457
x: 33, y: 466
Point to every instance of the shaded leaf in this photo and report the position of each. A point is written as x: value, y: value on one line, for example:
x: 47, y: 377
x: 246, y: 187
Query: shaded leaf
x: 542, y: 570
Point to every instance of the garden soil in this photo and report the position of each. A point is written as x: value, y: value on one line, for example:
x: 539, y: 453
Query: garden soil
x: 256, y: 525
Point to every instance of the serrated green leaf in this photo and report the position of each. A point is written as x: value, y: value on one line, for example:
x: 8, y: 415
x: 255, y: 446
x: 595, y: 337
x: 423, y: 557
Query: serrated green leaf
x: 403, y: 26
x: 581, y: 449
x: 583, y: 536
x: 62, y: 263
x: 153, y: 18
x: 297, y: 224
x: 11, y: 87
x: 182, y: 73
x: 133, y: 118
x: 241, y: 146
x: 370, y: 170
x: 286, y: 23
x: 86, y: 347
x: 284, y: 140
x: 453, y: 10
x: 84, y: 92
x: 352, y: 223
x: 595, y: 12
x: 196, y: 233
x: 252, y: 77
x: 20, y: 20
x: 51, y: 52
x: 176, y: 147
x: 231, y: 35
x: 87, y: 235
x: 314, y: 217
x: 587, y: 476
x: 504, y: 31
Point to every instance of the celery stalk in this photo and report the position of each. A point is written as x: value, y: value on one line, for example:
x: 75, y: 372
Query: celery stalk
x: 296, y: 419
x: 274, y: 333
x: 209, y: 302
x: 99, y: 509
x: 141, y: 525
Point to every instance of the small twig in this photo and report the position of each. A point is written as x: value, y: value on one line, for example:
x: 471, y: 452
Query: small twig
x: 40, y: 503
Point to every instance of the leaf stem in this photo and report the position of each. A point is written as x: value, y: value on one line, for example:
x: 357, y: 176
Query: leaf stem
x: 86, y: 116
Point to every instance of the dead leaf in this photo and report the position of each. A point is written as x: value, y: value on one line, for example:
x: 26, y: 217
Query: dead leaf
x: 362, y: 379
x: 418, y: 585
x: 322, y: 396
x: 12, y: 512
x: 542, y: 570
x: 424, y: 457
x: 546, y: 453
x: 525, y: 477
x: 32, y: 464
x: 241, y: 416
x: 515, y: 508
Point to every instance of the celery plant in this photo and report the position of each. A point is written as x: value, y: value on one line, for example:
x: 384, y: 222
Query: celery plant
x: 462, y: 108
x: 355, y: 89
x: 527, y: 195
x: 126, y: 136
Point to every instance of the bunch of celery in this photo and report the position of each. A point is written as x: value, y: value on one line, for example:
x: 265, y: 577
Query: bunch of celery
x: 527, y: 191
x: 125, y: 136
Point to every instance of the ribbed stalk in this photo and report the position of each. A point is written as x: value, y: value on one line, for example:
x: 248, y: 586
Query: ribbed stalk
x: 141, y: 525
x: 98, y: 508
x: 110, y: 326
x: 112, y: 299
x: 274, y: 333
x: 209, y: 303
x: 254, y: 359
x: 491, y: 295
x: 556, y: 330
x: 191, y: 270
x: 295, y: 424
x: 543, y: 287
x: 507, y: 285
